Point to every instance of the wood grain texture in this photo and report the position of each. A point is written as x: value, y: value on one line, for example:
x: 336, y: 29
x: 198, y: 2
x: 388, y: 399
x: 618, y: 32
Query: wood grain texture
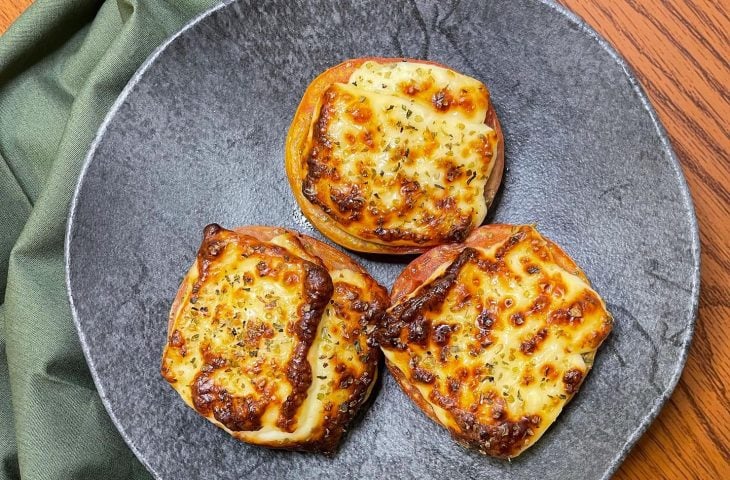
x: 10, y: 10
x: 680, y: 51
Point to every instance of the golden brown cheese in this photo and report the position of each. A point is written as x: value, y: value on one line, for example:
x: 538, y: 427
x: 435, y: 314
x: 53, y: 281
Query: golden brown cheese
x: 271, y: 346
x: 400, y: 155
x: 496, y: 342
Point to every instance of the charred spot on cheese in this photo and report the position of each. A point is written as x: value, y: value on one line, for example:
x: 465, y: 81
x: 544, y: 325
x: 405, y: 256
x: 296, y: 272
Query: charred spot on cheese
x: 400, y: 155
x: 529, y: 346
x: 268, y: 343
x: 572, y: 380
x: 487, y: 348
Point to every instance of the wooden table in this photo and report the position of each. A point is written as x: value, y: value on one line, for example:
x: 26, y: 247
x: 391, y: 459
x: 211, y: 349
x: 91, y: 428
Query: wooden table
x: 680, y: 50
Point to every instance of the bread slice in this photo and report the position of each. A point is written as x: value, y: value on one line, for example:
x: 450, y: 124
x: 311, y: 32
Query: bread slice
x: 492, y: 337
x: 268, y: 337
x: 390, y: 155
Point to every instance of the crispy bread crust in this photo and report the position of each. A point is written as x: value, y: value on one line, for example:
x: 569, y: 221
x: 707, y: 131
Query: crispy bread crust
x: 319, y: 256
x: 505, y: 436
x: 420, y: 269
x: 299, y: 137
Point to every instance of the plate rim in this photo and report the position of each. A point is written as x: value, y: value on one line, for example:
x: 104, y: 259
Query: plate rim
x: 636, y: 86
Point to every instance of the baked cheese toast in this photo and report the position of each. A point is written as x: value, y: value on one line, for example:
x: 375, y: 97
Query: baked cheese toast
x: 394, y: 156
x: 269, y: 337
x: 492, y: 337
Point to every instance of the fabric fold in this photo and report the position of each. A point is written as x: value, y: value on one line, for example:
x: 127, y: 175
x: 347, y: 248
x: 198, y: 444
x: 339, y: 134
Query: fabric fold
x: 62, y: 65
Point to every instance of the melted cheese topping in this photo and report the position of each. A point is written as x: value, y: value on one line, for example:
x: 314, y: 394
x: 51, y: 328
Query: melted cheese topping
x: 401, y: 155
x: 497, y: 342
x: 340, y: 353
x: 241, y: 348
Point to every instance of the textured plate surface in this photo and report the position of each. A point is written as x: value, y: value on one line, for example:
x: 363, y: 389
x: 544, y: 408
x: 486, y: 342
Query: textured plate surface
x: 198, y: 135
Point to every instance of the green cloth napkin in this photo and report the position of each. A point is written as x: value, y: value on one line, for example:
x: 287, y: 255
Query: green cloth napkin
x: 62, y: 65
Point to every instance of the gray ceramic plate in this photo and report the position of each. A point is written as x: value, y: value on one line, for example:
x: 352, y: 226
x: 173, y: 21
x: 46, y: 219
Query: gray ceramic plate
x: 197, y: 137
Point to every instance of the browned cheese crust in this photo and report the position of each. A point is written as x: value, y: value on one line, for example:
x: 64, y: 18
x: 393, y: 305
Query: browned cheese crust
x: 269, y: 337
x: 491, y: 338
x: 395, y: 155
